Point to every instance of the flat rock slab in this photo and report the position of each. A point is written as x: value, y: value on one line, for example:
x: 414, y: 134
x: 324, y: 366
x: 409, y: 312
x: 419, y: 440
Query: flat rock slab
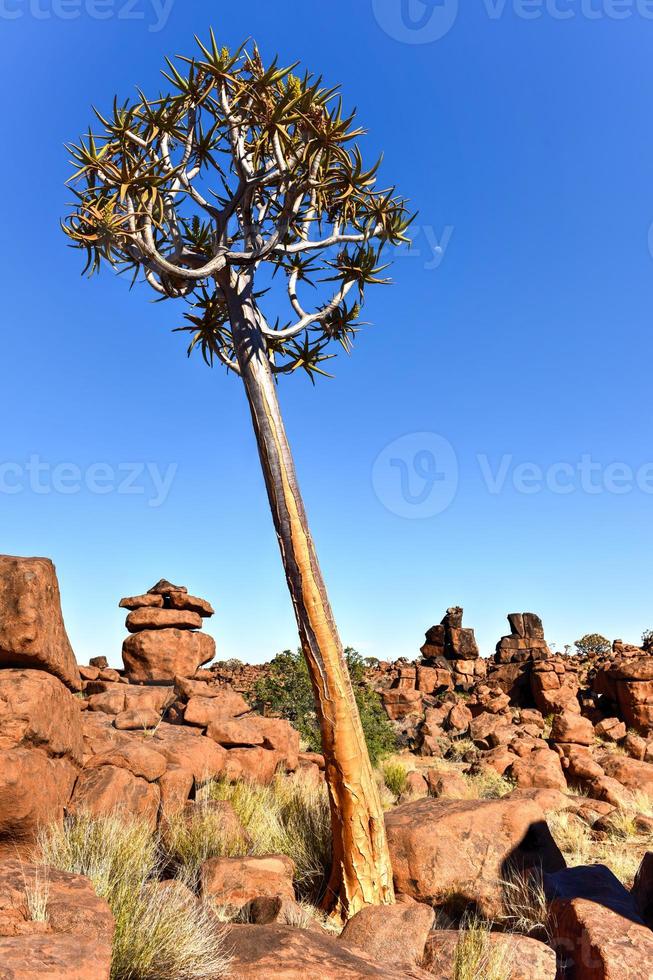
x: 180, y: 600
x: 32, y: 631
x: 142, y: 602
x: 525, y: 959
x: 286, y: 953
x: 160, y: 619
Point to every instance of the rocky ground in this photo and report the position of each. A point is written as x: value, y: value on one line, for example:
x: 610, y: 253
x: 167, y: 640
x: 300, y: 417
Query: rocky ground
x: 153, y: 823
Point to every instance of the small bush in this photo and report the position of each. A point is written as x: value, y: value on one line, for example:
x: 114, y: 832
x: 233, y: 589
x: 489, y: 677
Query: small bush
x: 287, y: 690
x: 395, y: 777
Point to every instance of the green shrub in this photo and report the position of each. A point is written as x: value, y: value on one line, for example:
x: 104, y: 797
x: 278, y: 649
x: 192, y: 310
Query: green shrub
x: 395, y: 776
x: 287, y: 690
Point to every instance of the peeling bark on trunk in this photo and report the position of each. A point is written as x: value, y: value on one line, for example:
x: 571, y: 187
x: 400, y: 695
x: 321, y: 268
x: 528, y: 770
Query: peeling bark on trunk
x: 361, y: 872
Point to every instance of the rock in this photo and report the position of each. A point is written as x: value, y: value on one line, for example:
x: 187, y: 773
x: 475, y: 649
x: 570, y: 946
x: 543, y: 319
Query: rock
x: 53, y: 956
x: 642, y: 890
x: 446, y: 785
x: 392, y: 934
x: 450, y: 852
x: 401, y: 703
x: 34, y: 791
x: 634, y: 775
x: 132, y: 754
x: 234, y: 882
x: 611, y: 730
x: 151, y: 698
x: 187, y: 748
x: 526, y: 640
x: 180, y: 600
x: 165, y: 588
x: 72, y: 905
x: 416, y: 786
x: 284, y: 953
x: 573, y: 728
x: 634, y: 746
x: 539, y: 769
x: 256, y: 765
x: 160, y: 619
x: 159, y: 655
x: 41, y: 751
x: 524, y: 958
x: 175, y: 787
x: 36, y: 710
x: 281, y: 912
x: 629, y: 681
x: 459, y: 718
x: 430, y: 680
x: 32, y: 631
x: 74, y: 943
x: 596, y: 926
x: 136, y: 720
x: 100, y: 662
x: 142, y: 602
x: 111, y: 789
x: 225, y: 705
x: 111, y: 702
x: 488, y: 730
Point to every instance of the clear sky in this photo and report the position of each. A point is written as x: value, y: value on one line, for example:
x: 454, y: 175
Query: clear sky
x: 507, y: 374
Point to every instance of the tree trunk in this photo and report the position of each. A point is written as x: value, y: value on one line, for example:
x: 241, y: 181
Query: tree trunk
x: 361, y: 871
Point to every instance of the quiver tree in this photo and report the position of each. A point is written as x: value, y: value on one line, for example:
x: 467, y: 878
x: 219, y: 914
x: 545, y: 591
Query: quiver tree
x: 244, y: 180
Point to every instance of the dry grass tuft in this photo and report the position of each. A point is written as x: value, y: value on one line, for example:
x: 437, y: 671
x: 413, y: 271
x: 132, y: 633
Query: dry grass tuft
x: 525, y: 904
x: 163, y: 935
x: 158, y: 935
x: 487, y: 784
x: 478, y: 958
x: 290, y: 816
x: 621, y: 851
x: 189, y: 840
x: 37, y: 892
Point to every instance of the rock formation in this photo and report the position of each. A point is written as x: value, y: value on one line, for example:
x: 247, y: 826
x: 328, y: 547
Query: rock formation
x: 560, y: 734
x: 165, y: 641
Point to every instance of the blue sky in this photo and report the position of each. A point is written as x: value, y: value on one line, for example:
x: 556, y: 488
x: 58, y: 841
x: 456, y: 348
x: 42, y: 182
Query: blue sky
x: 509, y: 366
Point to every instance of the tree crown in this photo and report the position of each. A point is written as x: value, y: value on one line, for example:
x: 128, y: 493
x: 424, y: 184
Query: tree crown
x: 593, y: 644
x: 240, y: 167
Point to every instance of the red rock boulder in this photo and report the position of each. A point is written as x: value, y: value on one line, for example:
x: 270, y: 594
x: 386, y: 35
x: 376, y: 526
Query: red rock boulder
x: 32, y: 631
